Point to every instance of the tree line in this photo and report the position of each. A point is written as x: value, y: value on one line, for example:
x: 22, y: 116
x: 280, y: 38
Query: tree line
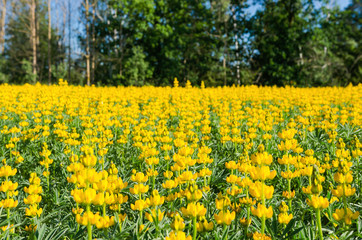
x: 150, y: 42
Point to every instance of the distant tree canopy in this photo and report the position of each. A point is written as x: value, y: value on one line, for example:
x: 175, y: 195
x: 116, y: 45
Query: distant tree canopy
x: 150, y: 42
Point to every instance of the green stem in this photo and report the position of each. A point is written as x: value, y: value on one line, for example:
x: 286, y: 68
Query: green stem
x: 47, y: 169
x: 141, y: 217
x: 236, y: 213
x: 358, y: 166
x: 344, y: 199
x: 195, y: 229
x: 120, y: 223
x: 77, y: 207
x: 247, y: 221
x: 262, y: 225
x: 319, y: 223
x: 89, y: 226
x: 344, y: 204
x: 9, y: 225
x: 153, y: 182
x: 104, y: 209
x: 8, y: 209
x: 290, y: 193
x: 225, y: 229
x: 153, y: 178
x: 263, y: 201
x: 262, y: 193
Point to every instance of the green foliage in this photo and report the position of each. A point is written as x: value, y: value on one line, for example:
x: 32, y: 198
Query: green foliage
x: 298, y: 44
x: 137, y: 69
x: 4, y: 78
x: 60, y: 71
x: 289, y: 42
x: 29, y: 76
x: 280, y: 31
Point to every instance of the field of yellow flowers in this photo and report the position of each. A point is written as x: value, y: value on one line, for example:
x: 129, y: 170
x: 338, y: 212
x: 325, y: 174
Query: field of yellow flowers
x: 180, y: 162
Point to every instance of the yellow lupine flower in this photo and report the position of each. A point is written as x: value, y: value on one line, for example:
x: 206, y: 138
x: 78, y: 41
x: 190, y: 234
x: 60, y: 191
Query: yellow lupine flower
x: 224, y: 217
x: 178, y: 223
x: 98, y: 199
x: 262, y: 173
x: 30, y: 228
x: 8, y: 186
x: 139, y: 189
x: 259, y: 236
x: 283, y: 207
x: 262, y: 158
x: 186, y: 176
x: 32, y: 199
x: 232, y: 165
x: 11, y: 227
x: 288, y: 195
x: 155, y: 214
x: 169, y: 184
x: 87, y: 218
x: 289, y: 174
x: 245, y: 222
x: 262, y: 211
x: 155, y: 199
x: 101, y: 185
x: 120, y: 199
x: 152, y: 161
x: 343, y: 178
x: 221, y: 202
x: 256, y: 190
x: 247, y: 201
x: 233, y: 179
x: 194, y: 210
x: 348, y: 191
x: 178, y: 236
x: 139, y: 178
x: 284, y: 218
x: 33, y: 211
x: 204, y: 226
x: 8, y: 203
x: 152, y: 172
x: 168, y: 174
x: 139, y: 205
x: 204, y: 172
x: 7, y: 171
x: 89, y: 195
x: 317, y: 202
x: 340, y: 215
x: 105, y: 222
x: 86, y: 196
x: 288, y: 159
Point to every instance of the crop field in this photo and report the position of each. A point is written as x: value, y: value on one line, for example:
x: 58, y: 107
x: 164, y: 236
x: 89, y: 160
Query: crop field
x: 180, y: 162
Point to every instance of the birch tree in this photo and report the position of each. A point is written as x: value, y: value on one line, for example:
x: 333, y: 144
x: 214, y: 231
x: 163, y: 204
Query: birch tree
x: 2, y: 26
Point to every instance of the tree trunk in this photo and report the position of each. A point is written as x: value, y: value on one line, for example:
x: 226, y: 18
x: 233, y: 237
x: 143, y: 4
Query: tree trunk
x: 93, y: 41
x: 49, y: 43
x: 33, y: 38
x: 120, y: 48
x: 236, y: 48
x: 2, y: 27
x: 69, y: 42
x: 87, y: 41
x: 224, y: 67
x: 224, y: 51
